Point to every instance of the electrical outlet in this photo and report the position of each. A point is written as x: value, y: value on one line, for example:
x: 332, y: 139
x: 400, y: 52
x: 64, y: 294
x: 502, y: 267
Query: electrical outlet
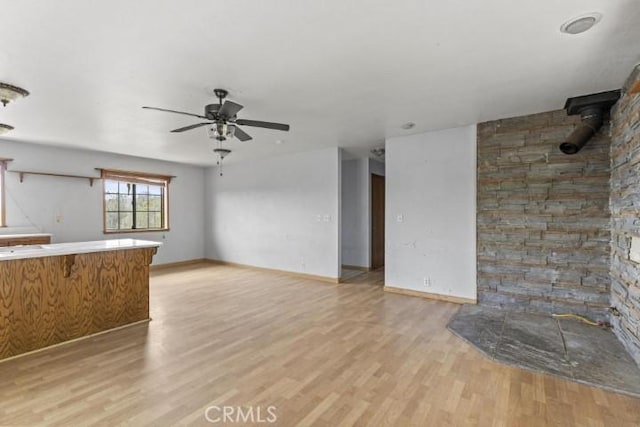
x: 400, y: 218
x: 327, y: 218
x: 427, y: 282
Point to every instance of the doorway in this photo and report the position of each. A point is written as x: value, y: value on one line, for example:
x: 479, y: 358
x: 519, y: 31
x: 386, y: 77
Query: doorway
x: 377, y: 221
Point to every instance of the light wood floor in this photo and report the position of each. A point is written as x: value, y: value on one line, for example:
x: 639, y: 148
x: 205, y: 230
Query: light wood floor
x: 324, y: 355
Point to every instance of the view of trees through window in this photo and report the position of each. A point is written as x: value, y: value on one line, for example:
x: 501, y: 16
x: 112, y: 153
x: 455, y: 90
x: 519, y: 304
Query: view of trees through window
x: 134, y: 206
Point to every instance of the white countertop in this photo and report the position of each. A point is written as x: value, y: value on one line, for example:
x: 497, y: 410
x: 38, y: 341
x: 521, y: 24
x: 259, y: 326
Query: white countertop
x: 57, y: 249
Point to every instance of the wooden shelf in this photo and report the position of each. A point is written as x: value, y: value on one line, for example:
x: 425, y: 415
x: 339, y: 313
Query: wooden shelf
x: 60, y: 175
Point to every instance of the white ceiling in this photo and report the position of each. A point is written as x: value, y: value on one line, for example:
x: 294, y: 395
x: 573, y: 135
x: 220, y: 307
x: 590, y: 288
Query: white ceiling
x: 342, y: 73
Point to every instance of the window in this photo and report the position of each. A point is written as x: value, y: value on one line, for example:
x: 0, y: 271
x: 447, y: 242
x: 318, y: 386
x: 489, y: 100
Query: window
x: 135, y: 201
x: 3, y: 168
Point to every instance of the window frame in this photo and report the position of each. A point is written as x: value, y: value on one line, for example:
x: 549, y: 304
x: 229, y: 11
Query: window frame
x: 141, y: 178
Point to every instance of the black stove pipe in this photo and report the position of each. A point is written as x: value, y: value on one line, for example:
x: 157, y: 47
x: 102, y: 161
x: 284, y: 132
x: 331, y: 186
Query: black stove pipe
x: 592, y: 119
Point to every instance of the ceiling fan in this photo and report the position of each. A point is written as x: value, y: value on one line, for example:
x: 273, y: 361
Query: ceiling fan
x: 223, y: 118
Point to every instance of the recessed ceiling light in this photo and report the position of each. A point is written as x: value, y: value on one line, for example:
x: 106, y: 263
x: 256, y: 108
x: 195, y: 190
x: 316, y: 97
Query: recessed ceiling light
x: 581, y: 23
x: 408, y: 125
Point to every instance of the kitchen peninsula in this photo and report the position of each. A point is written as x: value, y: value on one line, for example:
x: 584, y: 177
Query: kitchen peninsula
x: 54, y: 293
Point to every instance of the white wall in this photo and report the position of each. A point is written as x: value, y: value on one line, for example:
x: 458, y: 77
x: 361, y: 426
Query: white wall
x: 279, y: 212
x: 431, y: 182
x: 34, y: 204
x: 356, y: 210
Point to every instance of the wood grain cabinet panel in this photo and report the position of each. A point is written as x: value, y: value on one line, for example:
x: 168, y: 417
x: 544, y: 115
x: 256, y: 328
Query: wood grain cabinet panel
x: 49, y: 300
x: 24, y: 240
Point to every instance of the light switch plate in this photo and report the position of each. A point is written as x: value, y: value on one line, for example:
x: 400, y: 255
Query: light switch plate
x: 400, y: 218
x: 634, y: 251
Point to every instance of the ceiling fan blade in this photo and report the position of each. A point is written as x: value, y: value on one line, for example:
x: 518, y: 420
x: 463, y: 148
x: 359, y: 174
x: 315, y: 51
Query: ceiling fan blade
x: 229, y: 109
x: 241, y: 135
x: 259, y: 124
x: 173, y: 111
x: 197, y: 125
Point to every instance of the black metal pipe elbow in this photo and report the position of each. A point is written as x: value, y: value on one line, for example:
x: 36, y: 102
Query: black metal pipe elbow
x: 592, y: 120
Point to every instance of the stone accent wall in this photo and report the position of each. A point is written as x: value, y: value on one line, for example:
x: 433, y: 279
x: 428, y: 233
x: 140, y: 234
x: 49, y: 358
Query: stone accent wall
x: 543, y: 217
x: 625, y: 220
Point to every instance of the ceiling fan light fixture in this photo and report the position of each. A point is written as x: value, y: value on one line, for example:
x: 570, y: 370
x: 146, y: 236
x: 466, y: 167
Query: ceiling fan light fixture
x: 5, y: 128
x: 9, y: 93
x: 222, y: 131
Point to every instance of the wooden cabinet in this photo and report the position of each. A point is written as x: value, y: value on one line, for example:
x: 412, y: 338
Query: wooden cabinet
x: 51, y: 299
x: 25, y: 239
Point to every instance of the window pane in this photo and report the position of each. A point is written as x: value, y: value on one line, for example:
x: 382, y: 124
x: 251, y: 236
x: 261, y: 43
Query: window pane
x: 125, y: 188
x: 126, y: 220
x: 142, y: 202
x: 142, y: 220
x: 126, y: 203
x: 111, y: 202
x: 112, y: 221
x: 155, y: 203
x: 155, y: 189
x: 155, y: 220
x: 121, y: 207
x: 110, y: 186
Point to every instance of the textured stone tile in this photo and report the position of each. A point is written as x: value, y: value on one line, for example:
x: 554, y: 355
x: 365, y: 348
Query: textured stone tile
x: 593, y: 355
x: 480, y: 326
x: 534, y: 342
x: 534, y: 203
x: 625, y: 200
x: 610, y: 367
x: 598, y: 357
